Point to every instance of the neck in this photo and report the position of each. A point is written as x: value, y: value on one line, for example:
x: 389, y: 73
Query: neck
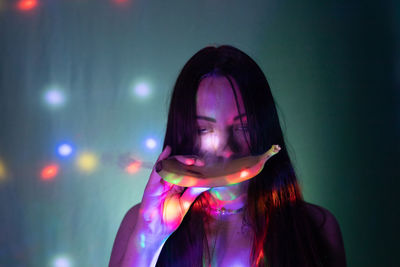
x: 231, y: 197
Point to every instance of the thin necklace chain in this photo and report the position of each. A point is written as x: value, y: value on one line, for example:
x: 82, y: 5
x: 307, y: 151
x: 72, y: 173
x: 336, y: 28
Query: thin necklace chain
x: 224, y: 211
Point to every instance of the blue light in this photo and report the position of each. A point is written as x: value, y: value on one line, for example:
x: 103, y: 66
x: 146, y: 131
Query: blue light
x: 64, y: 150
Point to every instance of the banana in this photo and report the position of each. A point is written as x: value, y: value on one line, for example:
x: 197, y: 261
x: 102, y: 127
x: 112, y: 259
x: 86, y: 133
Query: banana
x: 214, y: 175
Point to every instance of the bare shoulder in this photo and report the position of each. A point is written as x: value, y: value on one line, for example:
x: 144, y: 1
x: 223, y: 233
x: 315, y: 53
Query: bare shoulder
x: 124, y: 232
x: 131, y: 216
x: 331, y: 232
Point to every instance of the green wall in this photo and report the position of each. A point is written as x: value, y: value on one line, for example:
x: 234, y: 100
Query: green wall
x: 333, y: 67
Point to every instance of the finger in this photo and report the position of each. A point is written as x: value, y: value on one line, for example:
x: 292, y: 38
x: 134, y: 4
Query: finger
x: 165, y: 153
x: 189, y: 160
x: 190, y: 195
x: 154, y: 185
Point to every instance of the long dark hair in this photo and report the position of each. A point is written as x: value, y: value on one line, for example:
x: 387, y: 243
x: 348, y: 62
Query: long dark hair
x: 283, y: 231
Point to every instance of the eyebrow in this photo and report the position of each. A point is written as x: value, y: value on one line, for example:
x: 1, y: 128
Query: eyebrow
x: 214, y: 120
x: 239, y: 116
x: 206, y: 118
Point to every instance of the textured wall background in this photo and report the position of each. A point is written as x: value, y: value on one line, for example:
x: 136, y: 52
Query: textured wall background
x: 333, y: 67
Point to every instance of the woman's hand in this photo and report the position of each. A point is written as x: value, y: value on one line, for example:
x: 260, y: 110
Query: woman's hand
x: 164, y: 204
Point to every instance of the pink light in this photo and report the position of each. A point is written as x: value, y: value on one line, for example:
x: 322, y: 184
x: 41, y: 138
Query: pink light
x: 49, y: 172
x: 122, y: 2
x: 189, y: 161
x: 25, y: 5
x: 133, y: 167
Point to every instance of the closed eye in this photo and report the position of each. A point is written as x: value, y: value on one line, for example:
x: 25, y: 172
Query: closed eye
x: 243, y: 128
x: 204, y: 130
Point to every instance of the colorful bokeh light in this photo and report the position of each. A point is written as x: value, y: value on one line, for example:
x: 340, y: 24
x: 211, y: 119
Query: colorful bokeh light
x: 133, y: 167
x: 142, y: 89
x: 54, y: 97
x: 120, y: 2
x: 61, y: 261
x: 151, y: 143
x: 49, y: 172
x: 3, y: 172
x: 64, y: 150
x: 87, y: 162
x: 25, y: 5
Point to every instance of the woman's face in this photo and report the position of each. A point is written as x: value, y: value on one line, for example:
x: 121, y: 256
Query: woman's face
x: 220, y: 131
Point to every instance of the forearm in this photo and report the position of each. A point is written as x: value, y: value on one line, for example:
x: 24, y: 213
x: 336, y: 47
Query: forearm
x: 141, y: 251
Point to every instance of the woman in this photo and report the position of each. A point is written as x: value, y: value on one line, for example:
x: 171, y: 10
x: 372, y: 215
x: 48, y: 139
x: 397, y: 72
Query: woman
x: 222, y: 108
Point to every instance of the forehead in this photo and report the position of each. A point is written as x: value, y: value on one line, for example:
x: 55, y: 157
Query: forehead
x: 215, y: 98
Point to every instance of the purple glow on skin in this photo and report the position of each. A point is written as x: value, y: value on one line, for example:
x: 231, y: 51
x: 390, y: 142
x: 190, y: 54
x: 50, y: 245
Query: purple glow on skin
x: 211, y: 143
x: 142, y: 240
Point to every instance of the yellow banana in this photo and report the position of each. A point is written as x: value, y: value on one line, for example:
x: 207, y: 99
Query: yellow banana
x: 214, y: 175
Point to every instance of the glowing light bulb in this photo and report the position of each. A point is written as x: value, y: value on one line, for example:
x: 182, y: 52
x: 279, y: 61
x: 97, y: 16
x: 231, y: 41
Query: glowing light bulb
x: 87, y: 162
x: 49, y: 172
x: 151, y: 143
x: 25, y: 5
x: 64, y: 150
x: 54, y: 97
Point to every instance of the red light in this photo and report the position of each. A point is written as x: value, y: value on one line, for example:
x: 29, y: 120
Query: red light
x: 121, y: 1
x: 25, y: 5
x: 133, y: 167
x: 49, y: 172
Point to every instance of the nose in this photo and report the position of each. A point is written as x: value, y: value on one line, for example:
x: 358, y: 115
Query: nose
x: 225, y: 146
x: 220, y: 144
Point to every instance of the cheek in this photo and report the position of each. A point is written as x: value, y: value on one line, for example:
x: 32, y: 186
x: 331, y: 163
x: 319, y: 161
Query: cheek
x: 240, y: 140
